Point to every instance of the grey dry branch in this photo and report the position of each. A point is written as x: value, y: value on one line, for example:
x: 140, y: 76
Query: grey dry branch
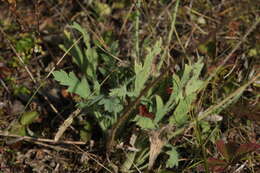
x: 28, y: 138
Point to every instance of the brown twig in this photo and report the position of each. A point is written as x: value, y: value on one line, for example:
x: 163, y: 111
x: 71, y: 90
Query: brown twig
x: 28, y: 138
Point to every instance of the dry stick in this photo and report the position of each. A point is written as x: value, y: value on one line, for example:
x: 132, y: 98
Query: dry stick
x: 57, y: 148
x: 40, y: 141
x: 126, y: 19
x: 5, y: 87
x: 28, y: 138
x: 66, y: 124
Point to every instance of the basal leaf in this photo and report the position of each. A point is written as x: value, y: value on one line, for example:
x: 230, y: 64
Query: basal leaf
x: 184, y: 91
x: 177, y: 88
x: 81, y: 89
x: 128, y: 163
x: 194, y: 84
x: 75, y: 51
x: 197, y: 67
x: 96, y: 87
x: 64, y: 78
x: 104, y: 121
x: 86, y: 58
x: 186, y: 74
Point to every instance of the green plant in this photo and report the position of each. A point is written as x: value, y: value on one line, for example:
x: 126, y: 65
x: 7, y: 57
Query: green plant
x: 172, y: 110
x: 159, y: 113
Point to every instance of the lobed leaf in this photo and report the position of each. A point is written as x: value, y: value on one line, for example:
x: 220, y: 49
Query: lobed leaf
x: 143, y: 71
x: 173, y: 158
x: 112, y: 105
x: 73, y: 83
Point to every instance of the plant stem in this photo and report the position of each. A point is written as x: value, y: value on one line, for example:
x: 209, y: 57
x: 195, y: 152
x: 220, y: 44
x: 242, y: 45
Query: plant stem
x: 137, y: 20
x: 169, y: 39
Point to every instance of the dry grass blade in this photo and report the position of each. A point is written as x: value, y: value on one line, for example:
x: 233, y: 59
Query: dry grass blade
x: 66, y: 124
x: 28, y: 138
